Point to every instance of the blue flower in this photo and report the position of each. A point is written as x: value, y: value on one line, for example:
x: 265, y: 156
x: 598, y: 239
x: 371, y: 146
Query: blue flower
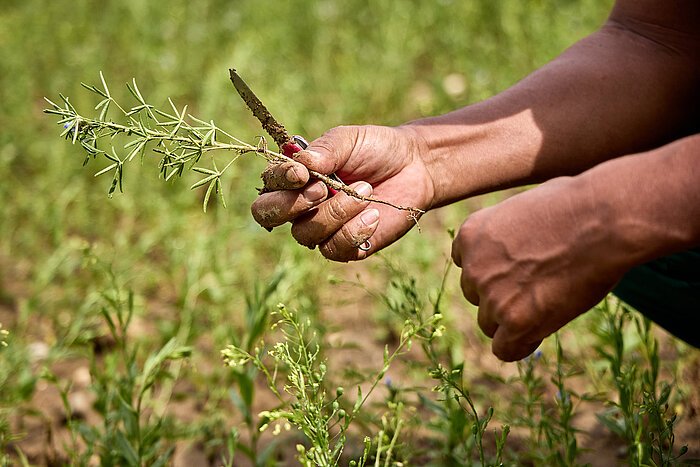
x: 534, y: 356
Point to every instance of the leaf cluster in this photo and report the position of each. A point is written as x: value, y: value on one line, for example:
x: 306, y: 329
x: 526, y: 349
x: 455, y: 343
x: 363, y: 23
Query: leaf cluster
x: 179, y: 138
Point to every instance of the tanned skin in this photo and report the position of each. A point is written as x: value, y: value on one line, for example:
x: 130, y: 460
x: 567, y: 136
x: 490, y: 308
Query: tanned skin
x: 609, y: 130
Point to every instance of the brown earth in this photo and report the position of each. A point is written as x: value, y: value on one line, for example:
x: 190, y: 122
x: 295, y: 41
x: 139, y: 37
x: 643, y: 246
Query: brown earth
x: 355, y: 342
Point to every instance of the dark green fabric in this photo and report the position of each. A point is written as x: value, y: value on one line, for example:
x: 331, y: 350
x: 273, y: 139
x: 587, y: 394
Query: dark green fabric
x: 667, y: 291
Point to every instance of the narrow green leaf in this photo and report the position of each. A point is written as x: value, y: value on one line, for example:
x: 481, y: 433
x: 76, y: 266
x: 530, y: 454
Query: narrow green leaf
x: 68, y: 104
x: 175, y: 171
x: 112, y: 156
x: 51, y: 103
x: 220, y: 190
x: 137, y: 149
x: 113, y: 187
x: 120, y: 175
x: 126, y: 450
x: 208, y: 137
x: 202, y: 170
x: 161, y: 461
x: 76, y: 129
x: 103, y: 112
x: 173, y: 119
x: 358, y: 401
x: 68, y: 128
x: 93, y: 89
x: 206, y: 197
x: 104, y: 84
x: 106, y: 169
x: 196, y: 120
x: 203, y: 181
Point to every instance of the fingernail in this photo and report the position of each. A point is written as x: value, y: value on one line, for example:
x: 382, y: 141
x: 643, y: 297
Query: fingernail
x: 292, y: 174
x: 363, y: 189
x: 315, y: 192
x: 370, y: 217
x: 305, y: 156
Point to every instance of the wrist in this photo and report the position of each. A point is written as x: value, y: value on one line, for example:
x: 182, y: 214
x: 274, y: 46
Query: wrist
x: 649, y: 201
x: 477, y: 149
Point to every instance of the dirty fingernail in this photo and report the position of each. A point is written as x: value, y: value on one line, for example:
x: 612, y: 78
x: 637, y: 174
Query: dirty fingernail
x: 364, y: 189
x: 292, y: 174
x: 315, y: 192
x: 305, y: 156
x: 370, y: 217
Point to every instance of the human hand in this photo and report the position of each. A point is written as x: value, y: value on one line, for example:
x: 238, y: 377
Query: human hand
x: 534, y: 262
x: 373, y: 160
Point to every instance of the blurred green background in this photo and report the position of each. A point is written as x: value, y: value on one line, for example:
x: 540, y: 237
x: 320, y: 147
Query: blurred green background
x: 315, y: 64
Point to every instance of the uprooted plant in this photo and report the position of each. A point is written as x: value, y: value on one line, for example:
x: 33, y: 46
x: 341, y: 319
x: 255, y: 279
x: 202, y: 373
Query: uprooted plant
x: 178, y: 137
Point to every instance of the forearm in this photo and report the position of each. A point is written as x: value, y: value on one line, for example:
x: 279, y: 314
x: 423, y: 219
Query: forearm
x: 649, y: 202
x: 613, y: 93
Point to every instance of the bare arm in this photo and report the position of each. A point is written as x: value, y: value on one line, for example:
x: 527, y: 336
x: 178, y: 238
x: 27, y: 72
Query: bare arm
x: 627, y: 88
x: 539, y: 259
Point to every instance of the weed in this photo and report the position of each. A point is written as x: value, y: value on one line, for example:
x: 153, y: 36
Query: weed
x: 320, y: 65
x: 640, y: 416
x: 133, y: 428
x: 319, y: 416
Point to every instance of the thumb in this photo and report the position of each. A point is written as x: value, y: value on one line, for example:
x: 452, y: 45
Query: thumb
x: 329, y: 153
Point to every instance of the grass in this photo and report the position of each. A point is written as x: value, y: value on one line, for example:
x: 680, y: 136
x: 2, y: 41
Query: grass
x: 142, y: 291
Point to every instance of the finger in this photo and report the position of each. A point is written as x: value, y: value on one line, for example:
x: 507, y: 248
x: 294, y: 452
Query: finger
x: 486, y: 321
x: 457, y: 251
x: 329, y: 216
x: 284, y: 176
x: 508, y: 349
x: 277, y: 207
x: 330, y: 151
x: 344, y: 244
x: 469, y: 289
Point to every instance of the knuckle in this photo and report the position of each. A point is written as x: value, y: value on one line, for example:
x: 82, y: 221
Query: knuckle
x: 337, y: 211
x: 343, y: 245
x: 516, y: 320
x: 353, y: 239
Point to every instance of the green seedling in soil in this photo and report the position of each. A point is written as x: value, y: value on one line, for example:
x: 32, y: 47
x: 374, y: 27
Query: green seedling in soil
x: 552, y: 439
x: 451, y: 383
x: 405, y: 301
x: 180, y: 139
x: 323, y: 418
x: 257, y: 316
x: 17, y: 383
x: 642, y: 415
x: 133, y: 431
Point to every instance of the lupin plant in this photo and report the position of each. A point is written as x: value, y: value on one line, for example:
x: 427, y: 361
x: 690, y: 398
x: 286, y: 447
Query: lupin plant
x: 179, y: 138
x: 320, y: 416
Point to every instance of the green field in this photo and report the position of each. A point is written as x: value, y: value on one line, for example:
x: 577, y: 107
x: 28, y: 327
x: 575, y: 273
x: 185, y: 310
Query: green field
x: 118, y: 308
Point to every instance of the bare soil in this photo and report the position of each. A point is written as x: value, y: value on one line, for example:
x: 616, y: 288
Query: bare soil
x: 356, y: 342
